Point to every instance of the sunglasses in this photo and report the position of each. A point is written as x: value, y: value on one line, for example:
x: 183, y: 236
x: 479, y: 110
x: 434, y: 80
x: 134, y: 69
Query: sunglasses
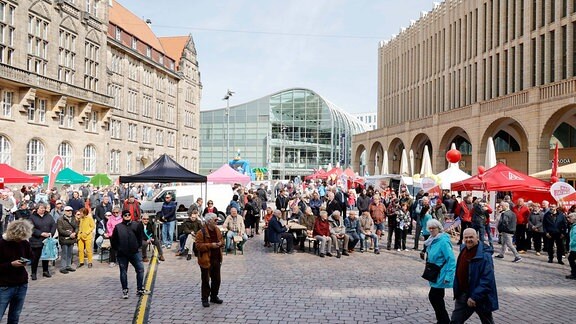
x: 126, y: 215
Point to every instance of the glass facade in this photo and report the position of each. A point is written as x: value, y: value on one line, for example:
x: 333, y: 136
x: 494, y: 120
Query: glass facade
x: 290, y: 133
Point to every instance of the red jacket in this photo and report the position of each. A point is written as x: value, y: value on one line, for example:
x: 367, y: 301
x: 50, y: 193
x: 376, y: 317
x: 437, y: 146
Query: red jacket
x: 134, y: 209
x: 321, y: 227
x: 463, y: 211
x: 522, y: 214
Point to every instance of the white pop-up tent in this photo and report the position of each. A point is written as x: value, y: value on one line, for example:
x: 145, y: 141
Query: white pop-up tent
x: 450, y: 175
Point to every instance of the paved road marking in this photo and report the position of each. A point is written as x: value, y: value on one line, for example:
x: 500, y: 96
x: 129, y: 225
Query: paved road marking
x: 143, y: 307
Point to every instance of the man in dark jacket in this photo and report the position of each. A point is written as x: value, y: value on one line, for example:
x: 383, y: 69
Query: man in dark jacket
x: 126, y: 240
x: 277, y: 231
x: 554, y: 224
x: 168, y: 217
x: 190, y: 227
x: 282, y: 203
x: 474, y: 283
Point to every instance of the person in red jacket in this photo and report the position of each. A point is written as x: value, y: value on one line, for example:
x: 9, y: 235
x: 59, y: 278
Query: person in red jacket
x: 133, y: 205
x: 322, y: 234
x: 464, y: 211
x: 522, y: 214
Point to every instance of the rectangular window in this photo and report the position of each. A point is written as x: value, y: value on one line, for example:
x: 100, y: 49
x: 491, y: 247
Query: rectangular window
x: 542, y: 13
x: 37, y: 45
x: 148, y: 51
x: 534, y: 9
x: 134, y: 42
x: 564, y: 63
x: 521, y: 72
x: 159, y: 110
x: 552, y: 10
x: 534, y: 62
x: 7, y: 101
x: 91, y: 66
x: 542, y: 60
x: 552, y: 66
x: 118, y: 33
x: 574, y: 45
x: 147, y: 106
x: 42, y: 110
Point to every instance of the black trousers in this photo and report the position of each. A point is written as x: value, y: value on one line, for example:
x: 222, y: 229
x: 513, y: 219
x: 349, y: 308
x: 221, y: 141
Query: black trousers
x: 289, y: 240
x: 436, y: 298
x: 36, y: 253
x: 391, y: 231
x: 463, y: 226
x: 555, y: 239
x: 462, y: 312
x: 572, y: 261
x: 400, y: 238
x: 210, y: 281
x: 520, y: 237
x: 537, y: 239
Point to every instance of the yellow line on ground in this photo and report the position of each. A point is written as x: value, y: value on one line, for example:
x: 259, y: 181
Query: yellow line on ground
x: 141, y: 314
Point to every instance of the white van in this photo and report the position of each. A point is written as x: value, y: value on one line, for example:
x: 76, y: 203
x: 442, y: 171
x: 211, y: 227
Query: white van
x: 220, y: 194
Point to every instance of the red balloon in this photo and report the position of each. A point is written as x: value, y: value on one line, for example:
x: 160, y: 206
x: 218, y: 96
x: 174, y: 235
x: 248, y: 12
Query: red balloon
x: 553, y: 179
x: 481, y: 169
x: 453, y: 156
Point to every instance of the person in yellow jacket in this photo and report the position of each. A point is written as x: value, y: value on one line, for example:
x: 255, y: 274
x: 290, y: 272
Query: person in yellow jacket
x: 85, y: 236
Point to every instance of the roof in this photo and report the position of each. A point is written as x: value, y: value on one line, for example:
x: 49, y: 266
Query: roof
x: 164, y: 170
x: 174, y: 46
x: 128, y: 21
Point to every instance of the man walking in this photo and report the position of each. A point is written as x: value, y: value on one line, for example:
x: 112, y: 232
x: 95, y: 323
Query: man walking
x: 127, y: 240
x: 474, y: 285
x: 507, y: 228
x: 208, y: 243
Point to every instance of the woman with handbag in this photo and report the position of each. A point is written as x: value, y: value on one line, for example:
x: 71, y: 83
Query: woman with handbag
x: 440, y: 268
x: 44, y: 227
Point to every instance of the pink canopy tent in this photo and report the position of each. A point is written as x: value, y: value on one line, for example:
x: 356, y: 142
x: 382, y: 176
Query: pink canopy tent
x: 225, y: 174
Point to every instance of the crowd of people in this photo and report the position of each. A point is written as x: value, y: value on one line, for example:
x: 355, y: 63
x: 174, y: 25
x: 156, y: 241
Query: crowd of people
x: 338, y: 221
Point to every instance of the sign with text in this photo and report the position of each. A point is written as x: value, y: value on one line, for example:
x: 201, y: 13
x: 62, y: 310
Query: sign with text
x: 559, y: 190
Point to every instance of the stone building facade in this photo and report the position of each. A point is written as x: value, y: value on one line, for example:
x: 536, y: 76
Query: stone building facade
x: 470, y: 70
x: 88, y: 80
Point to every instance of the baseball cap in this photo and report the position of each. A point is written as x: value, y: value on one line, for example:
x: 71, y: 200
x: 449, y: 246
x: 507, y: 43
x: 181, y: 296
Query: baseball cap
x: 68, y: 208
x: 108, y: 213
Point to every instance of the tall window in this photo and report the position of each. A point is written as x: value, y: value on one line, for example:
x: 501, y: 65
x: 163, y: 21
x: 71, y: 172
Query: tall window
x: 114, y: 164
x: 133, y: 70
x: 146, y: 134
x: 91, y: 66
x: 7, y: 11
x: 5, y: 150
x: 92, y: 122
x: 132, y: 132
x: 37, y: 111
x: 35, y: 156
x: 37, y: 44
x: 118, y: 33
x: 66, y: 56
x: 67, y: 116
x: 129, y: 162
x: 92, y: 6
x: 115, y: 91
x: 185, y: 141
x: 159, y: 137
x: 65, y: 151
x: 159, y: 110
x: 170, y: 113
x: 89, y: 159
x: 6, y: 101
x: 147, y: 106
x: 116, y: 63
x: 170, y: 139
x: 132, y: 101
x: 116, y: 129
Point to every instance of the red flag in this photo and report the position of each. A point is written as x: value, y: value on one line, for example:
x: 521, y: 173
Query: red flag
x: 55, y: 168
x: 554, y: 174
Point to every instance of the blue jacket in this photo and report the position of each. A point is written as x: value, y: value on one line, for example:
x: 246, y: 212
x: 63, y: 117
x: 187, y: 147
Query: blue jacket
x: 481, y: 281
x: 168, y: 211
x: 573, y: 237
x: 423, y: 222
x: 440, y: 253
x: 275, y: 228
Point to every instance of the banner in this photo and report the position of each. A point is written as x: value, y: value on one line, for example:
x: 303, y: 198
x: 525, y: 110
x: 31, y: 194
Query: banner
x: 55, y: 167
x: 560, y: 190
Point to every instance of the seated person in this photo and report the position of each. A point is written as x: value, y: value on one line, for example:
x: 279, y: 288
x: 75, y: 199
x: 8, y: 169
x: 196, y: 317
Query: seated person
x: 181, y: 209
x: 190, y: 227
x: 321, y: 233
x: 277, y: 231
x: 352, y: 229
x: 267, y: 218
x: 338, y: 232
x: 367, y: 231
x: 234, y: 224
x: 296, y: 213
x: 150, y: 238
x: 307, y: 219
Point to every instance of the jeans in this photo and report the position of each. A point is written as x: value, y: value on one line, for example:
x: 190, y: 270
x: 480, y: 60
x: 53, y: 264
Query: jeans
x: 436, y: 298
x: 66, y: 256
x: 364, y: 241
x: 354, y: 238
x: 507, y: 242
x: 417, y: 234
x: 13, y: 296
x: 391, y: 231
x: 168, y: 233
x: 136, y: 261
x: 230, y: 237
x: 462, y: 312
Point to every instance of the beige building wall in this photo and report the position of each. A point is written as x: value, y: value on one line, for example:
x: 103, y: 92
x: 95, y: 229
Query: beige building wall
x: 470, y: 69
x: 68, y: 86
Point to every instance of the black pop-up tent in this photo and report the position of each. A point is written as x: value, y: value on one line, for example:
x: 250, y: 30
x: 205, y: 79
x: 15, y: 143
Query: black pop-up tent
x: 164, y: 170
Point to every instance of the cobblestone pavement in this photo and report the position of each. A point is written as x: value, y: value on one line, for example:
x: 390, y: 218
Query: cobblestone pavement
x: 263, y: 287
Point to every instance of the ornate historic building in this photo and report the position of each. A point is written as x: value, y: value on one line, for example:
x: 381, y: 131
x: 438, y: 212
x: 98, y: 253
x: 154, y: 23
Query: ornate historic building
x: 88, y: 80
x: 474, y: 69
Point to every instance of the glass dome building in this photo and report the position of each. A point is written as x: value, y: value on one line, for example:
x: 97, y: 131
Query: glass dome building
x: 289, y: 133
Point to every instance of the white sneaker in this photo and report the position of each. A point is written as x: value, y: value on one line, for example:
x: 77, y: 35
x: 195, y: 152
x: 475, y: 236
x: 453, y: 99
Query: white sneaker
x: 112, y: 265
x: 124, y: 293
x: 398, y: 250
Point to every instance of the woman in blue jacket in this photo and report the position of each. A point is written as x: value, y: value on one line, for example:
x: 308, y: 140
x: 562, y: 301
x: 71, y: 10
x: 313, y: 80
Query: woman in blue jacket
x: 439, y: 249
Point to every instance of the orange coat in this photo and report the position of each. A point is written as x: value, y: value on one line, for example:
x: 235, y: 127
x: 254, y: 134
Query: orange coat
x: 204, y: 248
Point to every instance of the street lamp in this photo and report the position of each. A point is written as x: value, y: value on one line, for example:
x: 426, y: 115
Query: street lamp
x: 282, y: 153
x: 227, y: 96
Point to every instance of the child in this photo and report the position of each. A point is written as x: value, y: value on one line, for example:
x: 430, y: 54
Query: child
x: 572, y: 255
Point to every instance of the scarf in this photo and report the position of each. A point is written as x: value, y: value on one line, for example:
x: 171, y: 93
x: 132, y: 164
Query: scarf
x: 431, y: 239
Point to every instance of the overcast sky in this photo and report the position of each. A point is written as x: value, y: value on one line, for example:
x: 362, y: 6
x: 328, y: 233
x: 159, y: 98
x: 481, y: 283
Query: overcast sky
x: 258, y: 47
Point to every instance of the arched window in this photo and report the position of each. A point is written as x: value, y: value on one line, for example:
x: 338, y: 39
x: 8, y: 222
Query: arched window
x: 35, y: 156
x: 504, y: 142
x: 65, y: 151
x: 5, y: 150
x: 565, y: 135
x: 89, y: 159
